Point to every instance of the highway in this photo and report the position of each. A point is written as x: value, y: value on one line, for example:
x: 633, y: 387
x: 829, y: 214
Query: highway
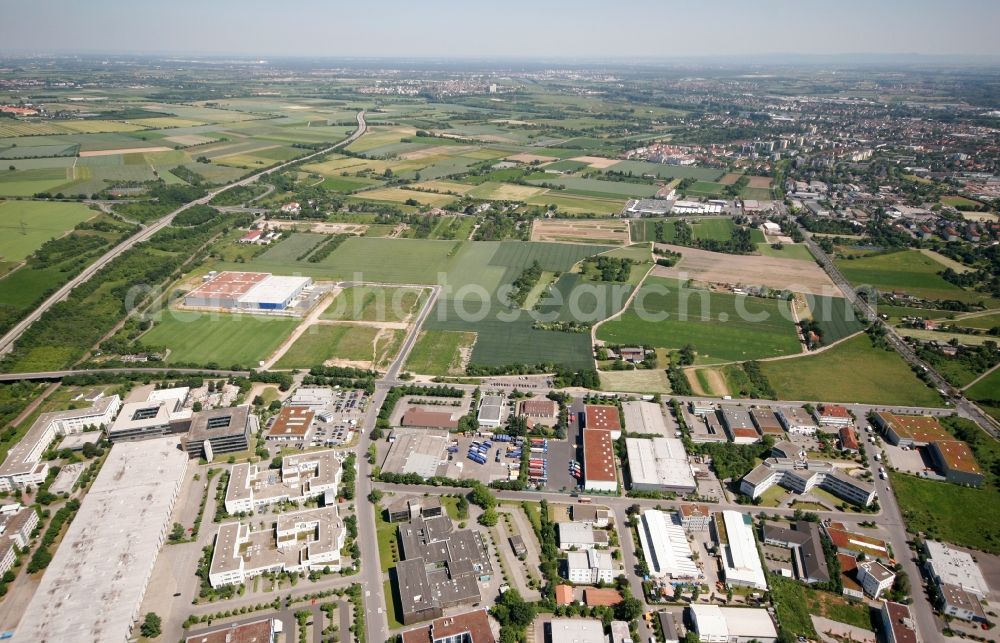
x: 7, y: 341
x: 963, y: 406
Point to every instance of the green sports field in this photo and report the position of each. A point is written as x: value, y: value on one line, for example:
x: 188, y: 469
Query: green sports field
x: 787, y: 251
x: 908, y: 270
x: 26, y: 225
x: 202, y: 338
x: 720, y: 326
x: 853, y: 371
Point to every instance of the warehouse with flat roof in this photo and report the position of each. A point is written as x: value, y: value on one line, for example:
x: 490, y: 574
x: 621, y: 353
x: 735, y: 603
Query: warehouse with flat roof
x: 250, y: 291
x: 599, y: 416
x: 740, y: 560
x: 93, y: 588
x: 645, y: 418
x: 665, y: 547
x: 659, y: 464
x: 599, y: 461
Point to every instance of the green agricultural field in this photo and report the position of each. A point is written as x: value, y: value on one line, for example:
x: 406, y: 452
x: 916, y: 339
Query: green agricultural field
x: 759, y: 194
x: 835, y: 317
x: 565, y: 166
x: 506, y: 337
x: 578, y: 205
x: 853, y: 371
x: 667, y: 171
x: 290, y: 248
x: 348, y: 342
x: 985, y: 322
x: 29, y: 224
x: 596, y: 187
x: 347, y: 184
x: 711, y: 322
x: 986, y: 393
x: 439, y: 352
x: 201, y: 338
x: 943, y: 511
x: 712, y: 229
x: 374, y: 303
x: 787, y: 251
x: 705, y: 189
x: 908, y: 270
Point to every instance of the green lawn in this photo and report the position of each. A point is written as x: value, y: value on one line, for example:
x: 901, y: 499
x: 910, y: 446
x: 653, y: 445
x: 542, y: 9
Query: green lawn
x: 322, y: 342
x: 943, y: 511
x: 201, y: 338
x: 387, y: 545
x: 29, y: 224
x: 374, y: 303
x: 393, y: 613
x: 853, y: 371
x: 838, y: 608
x: 791, y: 607
x: 438, y: 352
x: 720, y: 326
x: 908, y: 270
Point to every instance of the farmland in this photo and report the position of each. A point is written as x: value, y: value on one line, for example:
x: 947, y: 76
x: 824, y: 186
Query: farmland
x: 197, y: 338
x: 580, y: 231
x: 440, y: 352
x: 908, y: 270
x: 853, y: 371
x: 366, y: 346
x: 720, y: 326
x: 372, y: 303
x: 29, y: 224
x: 835, y: 317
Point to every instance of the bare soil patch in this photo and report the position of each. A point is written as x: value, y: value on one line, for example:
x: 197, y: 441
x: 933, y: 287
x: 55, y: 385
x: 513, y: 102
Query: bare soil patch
x: 730, y: 178
x: 597, y: 162
x: 759, y: 182
x: 749, y: 270
x: 125, y: 150
x: 321, y: 227
x: 614, y: 231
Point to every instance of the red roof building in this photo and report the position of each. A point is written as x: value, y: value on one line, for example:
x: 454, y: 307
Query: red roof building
x: 848, y: 439
x: 256, y: 632
x: 564, y: 594
x: 594, y: 597
x: 603, y: 417
x: 470, y: 627
x: 424, y: 419
x: 599, y: 461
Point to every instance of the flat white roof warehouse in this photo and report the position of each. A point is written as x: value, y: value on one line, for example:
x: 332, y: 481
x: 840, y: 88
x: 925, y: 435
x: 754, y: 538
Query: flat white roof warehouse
x: 93, y: 588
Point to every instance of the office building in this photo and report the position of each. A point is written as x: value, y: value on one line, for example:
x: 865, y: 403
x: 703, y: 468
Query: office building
x: 301, y: 477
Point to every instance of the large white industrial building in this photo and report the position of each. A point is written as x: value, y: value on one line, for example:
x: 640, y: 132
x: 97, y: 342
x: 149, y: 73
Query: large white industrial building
x: 249, y: 291
x: 659, y: 464
x: 665, y: 547
x: 715, y: 624
x: 738, y: 548
x: 93, y: 588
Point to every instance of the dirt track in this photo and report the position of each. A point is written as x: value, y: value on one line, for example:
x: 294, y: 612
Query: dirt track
x: 751, y: 270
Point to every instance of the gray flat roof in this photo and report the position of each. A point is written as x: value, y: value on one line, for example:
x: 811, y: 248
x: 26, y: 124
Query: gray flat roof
x: 93, y: 588
x: 207, y: 425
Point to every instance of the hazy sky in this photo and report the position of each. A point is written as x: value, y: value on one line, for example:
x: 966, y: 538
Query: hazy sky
x: 504, y: 28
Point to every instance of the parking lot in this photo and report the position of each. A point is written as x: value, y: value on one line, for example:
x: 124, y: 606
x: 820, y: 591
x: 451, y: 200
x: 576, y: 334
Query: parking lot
x: 559, y: 456
x: 460, y: 466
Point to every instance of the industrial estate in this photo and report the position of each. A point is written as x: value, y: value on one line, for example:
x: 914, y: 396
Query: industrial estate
x: 466, y: 354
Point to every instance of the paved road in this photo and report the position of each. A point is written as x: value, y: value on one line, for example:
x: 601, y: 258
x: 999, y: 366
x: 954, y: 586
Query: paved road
x: 58, y: 375
x: 371, y: 577
x: 964, y: 407
x: 7, y: 341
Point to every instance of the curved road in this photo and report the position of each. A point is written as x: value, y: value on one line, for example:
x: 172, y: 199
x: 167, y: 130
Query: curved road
x: 7, y: 341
